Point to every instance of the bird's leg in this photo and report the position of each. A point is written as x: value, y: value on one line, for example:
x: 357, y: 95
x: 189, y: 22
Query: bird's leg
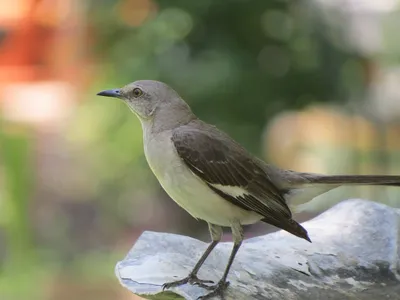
x: 220, y: 287
x: 192, y: 277
x: 216, y: 234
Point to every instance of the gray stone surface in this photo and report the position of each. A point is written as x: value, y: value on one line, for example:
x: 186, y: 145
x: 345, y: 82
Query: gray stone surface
x: 355, y: 254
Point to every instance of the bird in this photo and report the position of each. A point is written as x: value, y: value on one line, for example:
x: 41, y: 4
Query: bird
x: 215, y: 179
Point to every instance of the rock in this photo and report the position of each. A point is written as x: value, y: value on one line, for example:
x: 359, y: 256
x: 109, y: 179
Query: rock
x: 355, y: 254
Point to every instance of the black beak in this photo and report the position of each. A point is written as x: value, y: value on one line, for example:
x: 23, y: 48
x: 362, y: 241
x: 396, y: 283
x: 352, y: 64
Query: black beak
x: 110, y: 93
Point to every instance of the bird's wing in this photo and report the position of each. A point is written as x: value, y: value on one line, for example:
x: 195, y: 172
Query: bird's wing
x: 230, y: 171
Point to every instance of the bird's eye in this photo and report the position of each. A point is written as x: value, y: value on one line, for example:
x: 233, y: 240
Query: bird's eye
x: 137, y: 92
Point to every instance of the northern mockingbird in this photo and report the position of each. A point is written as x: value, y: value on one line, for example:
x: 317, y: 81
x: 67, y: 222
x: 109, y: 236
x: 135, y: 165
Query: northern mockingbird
x: 214, y: 178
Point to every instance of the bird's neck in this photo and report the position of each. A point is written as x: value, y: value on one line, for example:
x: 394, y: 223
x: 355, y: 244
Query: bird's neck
x: 166, y: 118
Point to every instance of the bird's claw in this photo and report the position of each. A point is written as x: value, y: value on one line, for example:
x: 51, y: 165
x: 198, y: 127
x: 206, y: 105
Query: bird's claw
x: 191, y: 279
x: 218, y: 290
x: 171, y: 284
x: 201, y: 283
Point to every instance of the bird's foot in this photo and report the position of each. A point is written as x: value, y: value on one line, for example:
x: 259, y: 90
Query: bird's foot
x: 191, y: 279
x: 217, y: 290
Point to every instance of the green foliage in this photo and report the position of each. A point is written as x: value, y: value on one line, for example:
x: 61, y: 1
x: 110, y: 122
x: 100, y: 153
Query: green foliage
x: 236, y: 62
x: 19, y: 258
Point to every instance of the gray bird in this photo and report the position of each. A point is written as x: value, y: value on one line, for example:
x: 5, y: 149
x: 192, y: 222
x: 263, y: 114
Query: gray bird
x: 214, y: 178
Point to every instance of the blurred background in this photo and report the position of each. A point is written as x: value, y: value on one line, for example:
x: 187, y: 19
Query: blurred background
x: 307, y: 85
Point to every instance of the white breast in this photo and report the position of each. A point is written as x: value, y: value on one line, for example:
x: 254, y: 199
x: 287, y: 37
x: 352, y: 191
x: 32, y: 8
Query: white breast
x: 188, y: 190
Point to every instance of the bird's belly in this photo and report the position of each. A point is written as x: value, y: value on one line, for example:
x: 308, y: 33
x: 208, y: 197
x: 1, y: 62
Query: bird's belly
x: 192, y: 194
x: 200, y: 201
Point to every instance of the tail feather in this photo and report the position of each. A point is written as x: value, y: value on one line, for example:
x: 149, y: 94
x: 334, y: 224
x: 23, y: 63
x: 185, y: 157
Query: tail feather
x: 290, y: 226
x: 303, y: 187
x: 387, y: 184
x: 386, y: 180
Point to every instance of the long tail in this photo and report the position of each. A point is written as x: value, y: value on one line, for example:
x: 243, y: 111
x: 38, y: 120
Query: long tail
x: 303, y: 187
x: 386, y: 180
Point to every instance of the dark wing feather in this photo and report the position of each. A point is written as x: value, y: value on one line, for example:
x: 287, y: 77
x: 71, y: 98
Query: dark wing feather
x: 217, y: 159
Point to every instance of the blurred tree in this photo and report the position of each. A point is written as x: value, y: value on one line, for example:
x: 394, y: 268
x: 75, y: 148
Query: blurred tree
x: 237, y: 62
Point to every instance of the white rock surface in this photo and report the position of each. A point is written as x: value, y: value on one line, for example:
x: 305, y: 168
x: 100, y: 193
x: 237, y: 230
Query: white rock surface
x: 355, y: 254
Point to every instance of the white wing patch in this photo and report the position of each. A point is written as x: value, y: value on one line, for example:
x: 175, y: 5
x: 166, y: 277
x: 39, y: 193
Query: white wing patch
x: 234, y: 191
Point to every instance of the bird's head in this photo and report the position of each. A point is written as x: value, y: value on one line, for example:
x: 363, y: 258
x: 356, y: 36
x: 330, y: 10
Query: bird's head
x: 147, y: 97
